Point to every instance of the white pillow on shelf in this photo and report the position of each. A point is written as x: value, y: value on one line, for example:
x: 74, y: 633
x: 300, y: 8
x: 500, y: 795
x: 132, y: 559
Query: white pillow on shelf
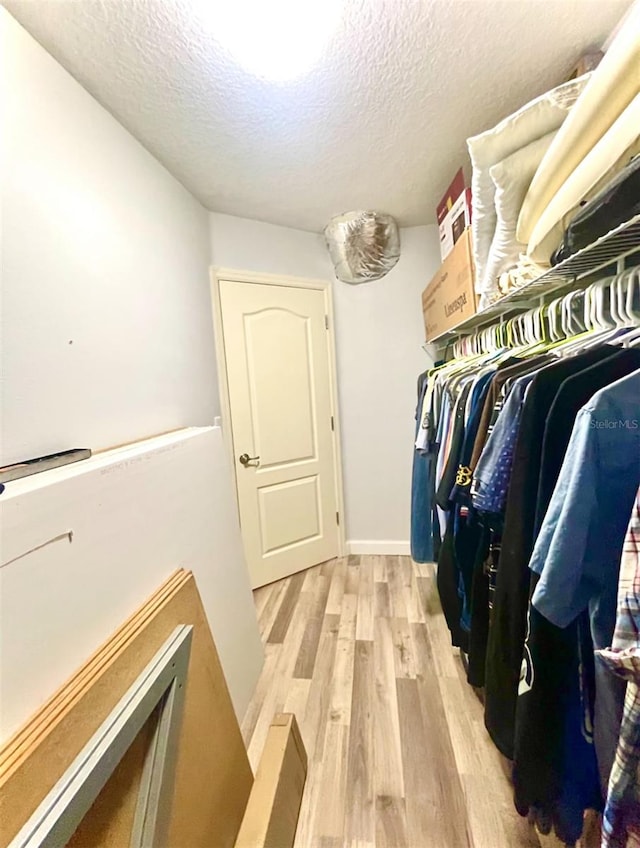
x: 602, y: 163
x: 611, y: 88
x: 539, y: 117
x: 511, y: 179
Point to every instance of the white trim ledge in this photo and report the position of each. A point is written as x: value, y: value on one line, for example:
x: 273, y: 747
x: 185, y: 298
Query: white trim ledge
x: 381, y: 548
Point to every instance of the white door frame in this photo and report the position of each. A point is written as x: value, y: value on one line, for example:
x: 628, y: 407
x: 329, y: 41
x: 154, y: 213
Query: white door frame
x: 233, y: 275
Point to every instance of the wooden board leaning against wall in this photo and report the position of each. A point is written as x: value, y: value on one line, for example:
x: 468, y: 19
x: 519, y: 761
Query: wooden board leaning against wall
x: 213, y: 782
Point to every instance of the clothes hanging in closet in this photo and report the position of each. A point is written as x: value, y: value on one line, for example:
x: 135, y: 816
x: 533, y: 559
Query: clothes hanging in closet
x: 579, y: 570
x: 421, y: 505
x: 508, y: 623
x: 621, y: 819
x: 554, y: 763
x: 451, y: 403
x: 505, y: 423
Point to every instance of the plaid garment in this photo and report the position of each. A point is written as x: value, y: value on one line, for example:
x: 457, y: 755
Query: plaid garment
x: 621, y: 820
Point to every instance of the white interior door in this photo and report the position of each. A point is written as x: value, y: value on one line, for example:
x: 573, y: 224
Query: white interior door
x: 279, y: 381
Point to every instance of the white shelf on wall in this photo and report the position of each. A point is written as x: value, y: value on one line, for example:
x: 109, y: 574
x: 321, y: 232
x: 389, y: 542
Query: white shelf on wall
x: 606, y: 251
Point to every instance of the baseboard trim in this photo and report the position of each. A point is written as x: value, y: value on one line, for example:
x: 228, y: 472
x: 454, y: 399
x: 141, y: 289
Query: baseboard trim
x: 381, y: 548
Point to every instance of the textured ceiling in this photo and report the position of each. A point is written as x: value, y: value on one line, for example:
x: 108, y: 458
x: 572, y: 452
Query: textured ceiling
x: 378, y: 123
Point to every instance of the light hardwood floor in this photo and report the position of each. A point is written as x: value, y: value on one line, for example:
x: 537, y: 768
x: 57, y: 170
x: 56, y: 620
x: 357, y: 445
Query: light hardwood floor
x: 398, y: 754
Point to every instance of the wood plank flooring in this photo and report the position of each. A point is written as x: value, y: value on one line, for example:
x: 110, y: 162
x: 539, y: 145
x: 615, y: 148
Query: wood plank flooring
x: 398, y: 754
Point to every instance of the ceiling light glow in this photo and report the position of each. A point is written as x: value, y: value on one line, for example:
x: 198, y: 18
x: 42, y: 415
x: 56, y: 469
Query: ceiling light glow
x: 277, y: 40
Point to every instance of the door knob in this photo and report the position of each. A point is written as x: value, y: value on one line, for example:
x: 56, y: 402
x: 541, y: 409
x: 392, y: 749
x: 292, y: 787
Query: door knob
x: 247, y: 460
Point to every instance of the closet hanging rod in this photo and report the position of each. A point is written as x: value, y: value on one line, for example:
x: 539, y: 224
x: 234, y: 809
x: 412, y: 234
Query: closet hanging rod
x: 612, y: 249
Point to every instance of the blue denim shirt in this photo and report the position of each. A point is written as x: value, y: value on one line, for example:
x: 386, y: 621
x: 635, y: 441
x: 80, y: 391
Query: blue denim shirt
x: 493, y: 472
x: 579, y: 547
x: 578, y: 550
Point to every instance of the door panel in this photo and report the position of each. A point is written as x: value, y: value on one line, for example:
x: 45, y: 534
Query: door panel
x: 289, y: 513
x: 280, y: 379
x: 278, y: 373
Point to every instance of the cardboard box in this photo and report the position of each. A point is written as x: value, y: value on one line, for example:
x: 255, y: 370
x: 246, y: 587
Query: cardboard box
x: 452, y: 193
x: 587, y: 62
x: 271, y: 817
x: 450, y: 297
x: 454, y: 214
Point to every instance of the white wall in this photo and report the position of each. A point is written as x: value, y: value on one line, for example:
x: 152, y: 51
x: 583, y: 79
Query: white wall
x: 244, y: 245
x: 106, y: 319
x: 106, y: 338
x: 379, y: 332
x: 379, y: 336
x: 61, y: 598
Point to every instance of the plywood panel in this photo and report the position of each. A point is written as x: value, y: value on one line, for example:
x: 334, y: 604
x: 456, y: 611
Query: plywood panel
x: 213, y: 777
x: 22, y: 742
x: 110, y: 818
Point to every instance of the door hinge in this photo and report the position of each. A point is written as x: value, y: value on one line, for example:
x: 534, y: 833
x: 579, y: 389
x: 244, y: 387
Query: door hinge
x: 326, y: 321
x: 333, y: 424
x: 337, y: 518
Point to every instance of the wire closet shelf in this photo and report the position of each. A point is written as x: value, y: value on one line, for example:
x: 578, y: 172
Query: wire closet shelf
x: 607, y: 252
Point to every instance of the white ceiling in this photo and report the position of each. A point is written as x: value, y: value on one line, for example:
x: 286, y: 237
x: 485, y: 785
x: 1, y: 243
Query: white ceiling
x: 378, y: 123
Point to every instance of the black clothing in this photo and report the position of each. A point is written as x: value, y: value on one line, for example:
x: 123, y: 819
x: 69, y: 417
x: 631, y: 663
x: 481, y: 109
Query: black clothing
x: 508, y: 619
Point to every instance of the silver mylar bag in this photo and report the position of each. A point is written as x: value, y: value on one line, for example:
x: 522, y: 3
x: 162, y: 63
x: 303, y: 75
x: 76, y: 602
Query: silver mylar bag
x: 363, y: 245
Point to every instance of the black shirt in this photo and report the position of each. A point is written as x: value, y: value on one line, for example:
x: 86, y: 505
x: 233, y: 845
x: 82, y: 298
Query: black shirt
x: 552, y: 651
x: 508, y: 620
